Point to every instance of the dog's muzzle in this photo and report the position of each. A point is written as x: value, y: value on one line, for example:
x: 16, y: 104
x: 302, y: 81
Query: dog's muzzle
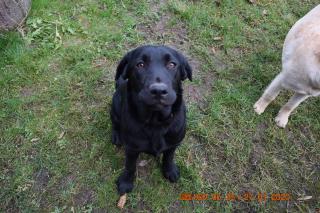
x: 158, y: 90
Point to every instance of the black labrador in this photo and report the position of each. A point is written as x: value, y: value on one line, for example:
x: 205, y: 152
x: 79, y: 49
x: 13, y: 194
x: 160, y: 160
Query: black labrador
x: 148, y: 112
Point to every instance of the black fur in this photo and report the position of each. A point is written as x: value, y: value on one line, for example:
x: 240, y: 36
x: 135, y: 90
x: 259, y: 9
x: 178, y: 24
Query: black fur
x: 143, y: 122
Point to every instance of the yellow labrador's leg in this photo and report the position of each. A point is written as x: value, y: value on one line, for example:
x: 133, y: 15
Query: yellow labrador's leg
x: 269, y: 95
x: 285, y: 111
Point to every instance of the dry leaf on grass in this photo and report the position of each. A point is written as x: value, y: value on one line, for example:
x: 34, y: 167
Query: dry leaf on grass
x: 35, y: 139
x: 213, y: 50
x: 122, y: 201
x: 61, y: 135
x: 218, y: 38
x: 305, y: 198
x: 143, y: 163
x: 265, y: 12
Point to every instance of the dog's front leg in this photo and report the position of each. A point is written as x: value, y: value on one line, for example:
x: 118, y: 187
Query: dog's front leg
x: 269, y: 94
x: 169, y: 168
x: 125, y: 181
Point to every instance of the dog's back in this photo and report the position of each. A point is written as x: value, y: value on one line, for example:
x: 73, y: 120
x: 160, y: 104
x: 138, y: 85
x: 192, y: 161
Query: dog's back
x: 301, y: 53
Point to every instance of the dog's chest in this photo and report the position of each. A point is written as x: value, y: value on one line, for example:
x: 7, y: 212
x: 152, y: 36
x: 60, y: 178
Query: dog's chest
x: 149, y: 140
x: 155, y: 140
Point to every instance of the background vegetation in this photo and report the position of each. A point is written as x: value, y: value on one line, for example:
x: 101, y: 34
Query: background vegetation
x: 56, y: 83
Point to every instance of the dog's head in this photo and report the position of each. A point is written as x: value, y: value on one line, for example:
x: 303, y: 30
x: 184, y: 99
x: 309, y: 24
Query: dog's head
x: 154, y: 74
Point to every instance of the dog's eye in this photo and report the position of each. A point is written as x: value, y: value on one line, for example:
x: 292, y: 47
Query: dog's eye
x: 140, y: 65
x: 171, y: 65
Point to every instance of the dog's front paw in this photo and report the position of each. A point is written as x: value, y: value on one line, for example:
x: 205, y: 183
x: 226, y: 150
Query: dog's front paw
x: 116, y: 138
x: 171, y: 172
x: 281, y: 120
x: 124, y: 184
x: 259, y: 107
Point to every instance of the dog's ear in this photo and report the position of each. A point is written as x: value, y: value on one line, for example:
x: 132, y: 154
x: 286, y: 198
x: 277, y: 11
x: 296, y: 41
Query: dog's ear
x: 185, y: 68
x: 122, y: 67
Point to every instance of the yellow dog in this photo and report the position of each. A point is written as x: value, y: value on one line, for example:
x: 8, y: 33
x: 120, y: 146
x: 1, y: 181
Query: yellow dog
x: 300, y: 67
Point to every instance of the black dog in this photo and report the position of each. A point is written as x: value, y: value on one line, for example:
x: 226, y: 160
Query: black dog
x: 148, y: 112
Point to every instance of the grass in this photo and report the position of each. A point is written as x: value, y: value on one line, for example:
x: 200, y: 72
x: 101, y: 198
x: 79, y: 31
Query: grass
x: 56, y: 85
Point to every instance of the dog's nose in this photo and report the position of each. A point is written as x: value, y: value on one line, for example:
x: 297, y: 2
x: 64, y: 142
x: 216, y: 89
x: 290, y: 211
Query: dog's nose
x: 159, y: 89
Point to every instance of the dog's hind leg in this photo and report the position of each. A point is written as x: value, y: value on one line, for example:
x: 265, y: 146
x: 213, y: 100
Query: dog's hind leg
x: 269, y: 94
x: 285, y: 111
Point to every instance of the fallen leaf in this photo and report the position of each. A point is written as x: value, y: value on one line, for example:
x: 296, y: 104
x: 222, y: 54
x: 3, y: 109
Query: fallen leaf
x: 265, y: 12
x: 122, y: 201
x: 100, y: 62
x: 79, y: 84
x: 213, y: 50
x: 61, y: 135
x: 35, y: 139
x: 305, y: 198
x: 218, y: 38
x: 143, y: 163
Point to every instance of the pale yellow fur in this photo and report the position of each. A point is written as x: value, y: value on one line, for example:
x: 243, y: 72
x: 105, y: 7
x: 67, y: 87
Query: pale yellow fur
x: 300, y: 67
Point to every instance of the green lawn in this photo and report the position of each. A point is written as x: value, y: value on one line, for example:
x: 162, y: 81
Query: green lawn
x: 56, y: 84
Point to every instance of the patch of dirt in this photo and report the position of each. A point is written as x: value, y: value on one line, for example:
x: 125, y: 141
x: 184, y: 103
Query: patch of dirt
x: 258, y: 136
x: 242, y: 206
x: 247, y: 189
x: 103, y: 84
x: 84, y: 197
x: 100, y: 210
x: 256, y: 154
x: 248, y: 197
x: 176, y: 36
x: 217, y: 55
x: 36, y: 107
x: 85, y: 23
x: 307, y: 133
x: 67, y: 180
x: 254, y: 160
x: 175, y: 206
x: 145, y: 164
x: 10, y: 207
x: 142, y: 206
x: 202, y: 156
x: 161, y: 32
x: 101, y: 62
x: 73, y: 42
x: 198, y: 93
x: 55, y: 65
x: 107, y: 79
x: 102, y: 88
x: 26, y: 92
x: 236, y: 53
x: 42, y: 179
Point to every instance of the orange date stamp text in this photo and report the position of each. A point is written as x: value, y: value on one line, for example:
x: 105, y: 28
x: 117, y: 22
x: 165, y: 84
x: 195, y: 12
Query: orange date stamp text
x: 231, y: 197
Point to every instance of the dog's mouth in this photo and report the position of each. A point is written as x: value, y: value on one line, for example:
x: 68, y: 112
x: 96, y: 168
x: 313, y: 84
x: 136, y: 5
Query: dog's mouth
x: 161, y: 102
x: 157, y: 103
